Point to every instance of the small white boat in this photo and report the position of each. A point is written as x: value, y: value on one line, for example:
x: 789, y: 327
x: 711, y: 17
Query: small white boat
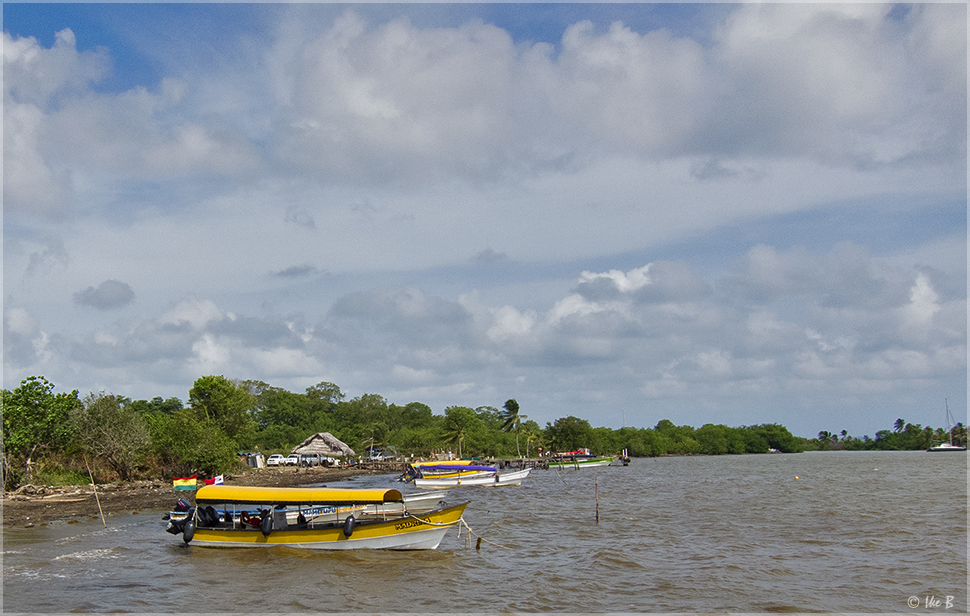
x: 946, y: 447
x: 513, y: 478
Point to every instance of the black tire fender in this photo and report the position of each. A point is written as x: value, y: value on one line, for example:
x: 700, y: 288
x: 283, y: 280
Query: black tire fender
x: 188, y: 531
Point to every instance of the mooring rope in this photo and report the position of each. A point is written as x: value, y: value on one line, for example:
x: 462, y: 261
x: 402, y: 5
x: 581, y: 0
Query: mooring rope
x: 462, y: 521
x: 480, y: 538
x: 560, y: 476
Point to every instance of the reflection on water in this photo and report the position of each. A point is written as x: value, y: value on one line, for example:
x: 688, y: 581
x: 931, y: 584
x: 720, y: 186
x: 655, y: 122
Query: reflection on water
x: 832, y: 532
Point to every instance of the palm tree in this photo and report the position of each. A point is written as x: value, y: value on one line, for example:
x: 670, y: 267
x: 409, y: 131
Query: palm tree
x: 899, y: 425
x: 455, y: 431
x: 530, y: 437
x: 512, y: 419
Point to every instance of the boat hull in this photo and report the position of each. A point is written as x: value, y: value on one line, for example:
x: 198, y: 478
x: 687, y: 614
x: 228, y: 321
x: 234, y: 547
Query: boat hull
x: 946, y: 447
x: 583, y: 463
x: 422, y: 532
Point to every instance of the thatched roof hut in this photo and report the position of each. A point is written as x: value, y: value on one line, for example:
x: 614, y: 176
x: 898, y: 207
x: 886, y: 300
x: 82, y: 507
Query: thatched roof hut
x: 325, y: 444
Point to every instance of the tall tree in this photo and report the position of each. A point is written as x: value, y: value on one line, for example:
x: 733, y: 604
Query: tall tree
x: 188, y: 443
x: 34, y: 419
x: 511, y: 420
x: 108, y: 427
x: 219, y: 400
x: 569, y: 433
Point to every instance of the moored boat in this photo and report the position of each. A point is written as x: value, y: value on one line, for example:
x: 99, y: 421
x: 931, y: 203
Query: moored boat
x: 946, y: 447
x: 447, y: 470
x: 230, y: 516
x: 513, y: 478
x: 948, y: 444
x: 580, y: 459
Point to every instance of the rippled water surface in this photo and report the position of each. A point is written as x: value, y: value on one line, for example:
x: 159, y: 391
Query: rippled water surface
x: 831, y: 532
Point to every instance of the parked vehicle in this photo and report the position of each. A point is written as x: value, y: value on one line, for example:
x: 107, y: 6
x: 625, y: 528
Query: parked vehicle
x: 292, y: 460
x: 275, y: 460
x: 310, y: 459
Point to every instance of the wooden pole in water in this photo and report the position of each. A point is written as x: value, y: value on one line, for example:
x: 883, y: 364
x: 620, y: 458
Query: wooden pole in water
x: 597, y: 486
x: 95, y: 488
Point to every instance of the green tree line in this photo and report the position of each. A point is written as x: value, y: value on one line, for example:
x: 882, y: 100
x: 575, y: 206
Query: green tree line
x: 903, y: 436
x: 60, y: 438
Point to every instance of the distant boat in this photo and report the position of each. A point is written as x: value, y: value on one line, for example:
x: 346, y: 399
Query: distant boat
x: 947, y: 445
x: 582, y: 459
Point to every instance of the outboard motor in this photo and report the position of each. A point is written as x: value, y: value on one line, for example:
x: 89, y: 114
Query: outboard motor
x: 178, y: 526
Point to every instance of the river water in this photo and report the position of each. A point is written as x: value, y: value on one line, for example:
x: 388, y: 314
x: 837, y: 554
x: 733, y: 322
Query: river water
x: 828, y: 532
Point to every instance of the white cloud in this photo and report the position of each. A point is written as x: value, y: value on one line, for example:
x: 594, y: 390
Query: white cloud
x: 397, y: 102
x: 193, y: 312
x: 25, y: 346
x: 924, y: 301
x: 56, y: 126
x: 394, y: 101
x: 510, y: 322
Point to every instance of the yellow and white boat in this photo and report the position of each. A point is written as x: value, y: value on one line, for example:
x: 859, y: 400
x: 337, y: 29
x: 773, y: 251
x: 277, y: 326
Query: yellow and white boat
x: 243, y: 516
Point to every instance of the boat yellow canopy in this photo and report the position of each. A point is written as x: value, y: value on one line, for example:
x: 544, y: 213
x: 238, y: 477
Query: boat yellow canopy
x: 294, y: 496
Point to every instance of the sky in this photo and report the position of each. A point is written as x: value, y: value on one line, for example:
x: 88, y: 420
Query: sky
x: 709, y: 213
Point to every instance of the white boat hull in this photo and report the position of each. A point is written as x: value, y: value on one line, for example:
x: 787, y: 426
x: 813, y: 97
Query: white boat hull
x: 587, y: 463
x: 946, y: 447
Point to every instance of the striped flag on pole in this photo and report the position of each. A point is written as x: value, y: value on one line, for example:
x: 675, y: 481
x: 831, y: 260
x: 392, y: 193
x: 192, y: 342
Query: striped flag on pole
x: 184, y: 483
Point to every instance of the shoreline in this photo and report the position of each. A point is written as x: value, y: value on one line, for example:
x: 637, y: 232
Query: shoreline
x: 30, y: 506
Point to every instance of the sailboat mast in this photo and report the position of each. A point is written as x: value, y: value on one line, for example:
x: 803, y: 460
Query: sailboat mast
x: 949, y: 430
